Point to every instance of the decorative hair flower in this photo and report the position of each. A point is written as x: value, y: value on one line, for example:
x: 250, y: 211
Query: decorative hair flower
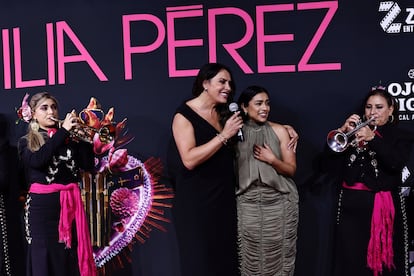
x: 24, y: 113
x: 378, y: 87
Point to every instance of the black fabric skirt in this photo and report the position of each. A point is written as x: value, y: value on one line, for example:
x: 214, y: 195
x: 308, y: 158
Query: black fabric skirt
x: 353, y: 234
x: 46, y: 256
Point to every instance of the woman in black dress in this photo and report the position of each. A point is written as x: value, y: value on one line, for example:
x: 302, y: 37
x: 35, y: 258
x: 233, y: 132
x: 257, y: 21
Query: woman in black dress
x: 371, y: 231
x: 56, y: 228
x: 201, y: 163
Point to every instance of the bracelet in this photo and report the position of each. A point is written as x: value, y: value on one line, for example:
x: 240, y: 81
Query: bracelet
x: 222, y: 138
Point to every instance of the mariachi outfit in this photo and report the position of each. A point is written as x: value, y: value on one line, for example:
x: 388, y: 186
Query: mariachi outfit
x: 371, y: 233
x: 56, y: 227
x: 267, y: 206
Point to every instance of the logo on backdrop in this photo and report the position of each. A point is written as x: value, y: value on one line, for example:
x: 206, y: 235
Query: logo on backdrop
x: 390, y: 24
x: 60, y: 35
x: 404, y: 93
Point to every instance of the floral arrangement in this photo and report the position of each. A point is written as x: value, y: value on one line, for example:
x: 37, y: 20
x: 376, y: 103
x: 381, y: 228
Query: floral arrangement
x: 131, y: 190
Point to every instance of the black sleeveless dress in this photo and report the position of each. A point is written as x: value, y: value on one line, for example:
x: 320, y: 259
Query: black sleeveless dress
x: 204, y: 209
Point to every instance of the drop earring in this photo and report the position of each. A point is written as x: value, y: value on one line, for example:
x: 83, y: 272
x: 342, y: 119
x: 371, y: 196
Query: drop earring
x: 34, y: 125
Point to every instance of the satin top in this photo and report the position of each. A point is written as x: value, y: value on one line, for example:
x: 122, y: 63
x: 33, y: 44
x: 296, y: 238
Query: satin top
x: 253, y: 171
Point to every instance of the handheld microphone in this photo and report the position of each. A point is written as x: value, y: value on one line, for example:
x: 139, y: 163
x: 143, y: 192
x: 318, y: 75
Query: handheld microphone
x: 233, y: 107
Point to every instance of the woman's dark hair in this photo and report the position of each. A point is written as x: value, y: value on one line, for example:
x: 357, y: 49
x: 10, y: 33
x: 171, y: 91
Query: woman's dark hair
x: 247, y: 95
x: 391, y: 101
x: 207, y: 72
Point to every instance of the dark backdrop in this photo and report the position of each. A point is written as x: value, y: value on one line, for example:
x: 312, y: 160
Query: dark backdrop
x: 333, y: 52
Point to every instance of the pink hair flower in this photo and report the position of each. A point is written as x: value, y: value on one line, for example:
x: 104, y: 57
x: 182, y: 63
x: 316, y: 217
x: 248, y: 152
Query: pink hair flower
x: 24, y: 112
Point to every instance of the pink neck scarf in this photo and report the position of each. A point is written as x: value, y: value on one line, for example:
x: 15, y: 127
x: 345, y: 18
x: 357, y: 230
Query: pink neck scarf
x: 380, y: 250
x: 72, y: 209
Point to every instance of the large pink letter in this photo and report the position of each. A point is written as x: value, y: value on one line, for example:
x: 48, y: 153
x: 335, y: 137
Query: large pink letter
x: 172, y: 14
x: 61, y: 28
x: 6, y: 59
x: 262, y: 39
x: 129, y: 49
x: 303, y: 64
x: 230, y: 47
x: 20, y: 83
x: 50, y: 54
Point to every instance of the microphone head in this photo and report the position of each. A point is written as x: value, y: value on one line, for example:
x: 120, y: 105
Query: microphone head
x: 233, y: 107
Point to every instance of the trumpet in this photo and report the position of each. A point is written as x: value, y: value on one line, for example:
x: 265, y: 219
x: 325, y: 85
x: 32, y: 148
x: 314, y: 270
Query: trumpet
x: 80, y: 133
x: 339, y: 141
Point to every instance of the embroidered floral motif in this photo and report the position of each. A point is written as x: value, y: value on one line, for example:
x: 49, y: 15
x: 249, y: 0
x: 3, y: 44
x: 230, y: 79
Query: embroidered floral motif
x: 69, y: 163
x: 26, y: 219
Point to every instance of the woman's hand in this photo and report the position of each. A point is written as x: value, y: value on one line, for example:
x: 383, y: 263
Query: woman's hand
x: 350, y: 123
x: 294, y: 137
x: 70, y: 121
x: 365, y: 134
x: 232, y: 125
x: 264, y: 153
x: 284, y: 164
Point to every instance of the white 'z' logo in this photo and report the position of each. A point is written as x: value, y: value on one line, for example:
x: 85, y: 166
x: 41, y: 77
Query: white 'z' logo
x: 392, y: 10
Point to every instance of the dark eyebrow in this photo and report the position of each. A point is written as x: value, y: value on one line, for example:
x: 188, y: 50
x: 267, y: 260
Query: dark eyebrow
x: 53, y: 105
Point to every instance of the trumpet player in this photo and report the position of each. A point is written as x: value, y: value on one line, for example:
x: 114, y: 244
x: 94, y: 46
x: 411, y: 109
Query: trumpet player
x: 55, y: 223
x: 363, y: 134
x: 371, y: 224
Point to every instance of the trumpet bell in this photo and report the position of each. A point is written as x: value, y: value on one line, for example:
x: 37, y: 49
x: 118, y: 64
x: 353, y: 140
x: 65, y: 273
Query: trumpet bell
x: 337, y: 141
